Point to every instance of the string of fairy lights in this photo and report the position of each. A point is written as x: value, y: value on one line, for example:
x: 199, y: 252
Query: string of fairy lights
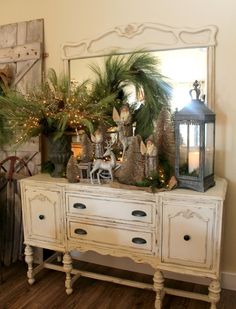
x: 70, y: 113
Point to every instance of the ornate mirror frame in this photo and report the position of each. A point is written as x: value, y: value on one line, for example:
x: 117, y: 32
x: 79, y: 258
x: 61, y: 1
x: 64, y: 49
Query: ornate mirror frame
x: 149, y: 37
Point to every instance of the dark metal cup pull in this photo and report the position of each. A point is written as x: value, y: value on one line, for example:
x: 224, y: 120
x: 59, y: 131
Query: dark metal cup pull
x: 139, y: 241
x: 139, y: 213
x: 187, y: 237
x: 79, y: 206
x: 80, y: 232
x: 41, y: 217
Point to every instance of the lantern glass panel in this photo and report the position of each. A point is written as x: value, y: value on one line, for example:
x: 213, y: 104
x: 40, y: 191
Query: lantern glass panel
x: 183, y: 148
x: 209, y: 149
x: 189, y: 149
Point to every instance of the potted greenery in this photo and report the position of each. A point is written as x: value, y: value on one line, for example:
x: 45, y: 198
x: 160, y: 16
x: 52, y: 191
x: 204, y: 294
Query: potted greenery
x: 54, y: 110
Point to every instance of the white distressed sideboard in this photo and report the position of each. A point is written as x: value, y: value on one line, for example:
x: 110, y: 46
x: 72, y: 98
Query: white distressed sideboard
x: 177, y: 231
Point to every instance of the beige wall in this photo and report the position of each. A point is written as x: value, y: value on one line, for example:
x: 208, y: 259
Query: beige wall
x: 73, y: 20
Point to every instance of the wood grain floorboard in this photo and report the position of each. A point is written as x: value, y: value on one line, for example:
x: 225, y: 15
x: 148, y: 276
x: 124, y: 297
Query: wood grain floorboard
x: 48, y: 292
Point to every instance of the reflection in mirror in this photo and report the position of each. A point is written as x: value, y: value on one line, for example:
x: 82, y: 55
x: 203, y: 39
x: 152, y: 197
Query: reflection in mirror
x: 184, y: 55
x: 181, y: 67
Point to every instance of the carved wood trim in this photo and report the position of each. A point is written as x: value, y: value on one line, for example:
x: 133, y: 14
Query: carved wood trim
x: 187, y: 214
x: 136, y: 257
x: 134, y: 36
x: 42, y: 198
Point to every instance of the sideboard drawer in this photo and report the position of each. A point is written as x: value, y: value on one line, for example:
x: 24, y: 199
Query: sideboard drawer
x: 110, y: 236
x: 110, y: 208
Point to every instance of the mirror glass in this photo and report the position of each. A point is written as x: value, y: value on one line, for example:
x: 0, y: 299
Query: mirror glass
x: 181, y: 67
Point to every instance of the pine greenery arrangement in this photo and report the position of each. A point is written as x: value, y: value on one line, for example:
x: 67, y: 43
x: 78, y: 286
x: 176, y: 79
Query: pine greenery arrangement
x: 57, y: 106
x: 52, y: 109
x: 141, y: 70
x: 5, y: 134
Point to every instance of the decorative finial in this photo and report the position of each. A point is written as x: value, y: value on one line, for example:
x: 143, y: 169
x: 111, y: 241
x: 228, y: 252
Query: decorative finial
x: 196, y: 90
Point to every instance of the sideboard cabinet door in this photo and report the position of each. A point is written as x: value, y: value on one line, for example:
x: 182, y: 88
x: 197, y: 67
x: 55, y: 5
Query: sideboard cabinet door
x: 43, y: 217
x: 188, y: 233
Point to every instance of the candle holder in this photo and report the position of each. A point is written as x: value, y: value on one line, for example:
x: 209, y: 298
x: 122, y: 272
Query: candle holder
x: 195, y: 144
x: 77, y: 147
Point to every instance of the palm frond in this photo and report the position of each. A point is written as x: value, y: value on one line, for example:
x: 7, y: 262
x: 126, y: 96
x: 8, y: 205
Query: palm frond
x: 60, y: 86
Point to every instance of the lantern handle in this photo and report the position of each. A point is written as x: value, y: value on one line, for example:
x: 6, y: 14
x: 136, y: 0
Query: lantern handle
x: 196, y: 90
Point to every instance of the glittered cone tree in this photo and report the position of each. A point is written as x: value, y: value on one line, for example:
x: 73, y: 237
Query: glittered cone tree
x: 72, y: 170
x: 164, y: 138
x: 132, y: 169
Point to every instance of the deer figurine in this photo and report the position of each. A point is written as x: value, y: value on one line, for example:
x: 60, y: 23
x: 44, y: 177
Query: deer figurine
x: 101, y: 165
x: 121, y: 121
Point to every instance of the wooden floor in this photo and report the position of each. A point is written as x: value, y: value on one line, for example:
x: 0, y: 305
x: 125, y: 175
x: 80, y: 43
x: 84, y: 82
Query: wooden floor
x: 48, y: 292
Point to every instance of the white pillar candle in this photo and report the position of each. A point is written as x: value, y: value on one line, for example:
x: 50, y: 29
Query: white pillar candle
x: 193, y: 161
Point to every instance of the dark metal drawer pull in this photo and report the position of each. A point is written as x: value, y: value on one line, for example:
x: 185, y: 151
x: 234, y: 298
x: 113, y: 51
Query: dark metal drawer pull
x: 187, y: 237
x: 79, y: 206
x: 139, y: 213
x: 80, y: 232
x: 41, y: 217
x: 139, y: 241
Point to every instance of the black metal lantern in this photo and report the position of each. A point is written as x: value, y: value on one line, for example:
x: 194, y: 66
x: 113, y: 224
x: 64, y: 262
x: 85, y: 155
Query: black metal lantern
x: 195, y: 144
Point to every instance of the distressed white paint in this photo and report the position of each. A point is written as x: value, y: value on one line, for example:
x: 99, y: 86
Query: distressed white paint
x: 135, y: 36
x: 110, y: 228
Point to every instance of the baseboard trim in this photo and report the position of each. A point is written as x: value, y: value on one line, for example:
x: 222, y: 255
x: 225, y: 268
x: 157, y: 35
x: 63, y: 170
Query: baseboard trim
x: 228, y: 280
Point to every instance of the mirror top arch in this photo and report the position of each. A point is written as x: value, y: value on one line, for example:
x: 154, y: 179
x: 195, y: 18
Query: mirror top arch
x: 140, y: 36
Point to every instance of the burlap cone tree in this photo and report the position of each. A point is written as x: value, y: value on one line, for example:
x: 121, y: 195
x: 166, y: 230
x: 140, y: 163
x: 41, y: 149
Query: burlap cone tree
x: 72, y: 170
x: 164, y: 137
x: 132, y: 169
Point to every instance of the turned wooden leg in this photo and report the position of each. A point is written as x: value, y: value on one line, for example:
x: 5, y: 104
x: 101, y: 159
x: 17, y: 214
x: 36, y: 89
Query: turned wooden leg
x: 159, y: 288
x: 29, y: 260
x: 59, y: 257
x: 67, y: 265
x: 214, y: 293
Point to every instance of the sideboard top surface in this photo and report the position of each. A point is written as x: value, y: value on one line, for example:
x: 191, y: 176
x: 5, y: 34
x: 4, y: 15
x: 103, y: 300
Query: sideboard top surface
x: 217, y: 192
